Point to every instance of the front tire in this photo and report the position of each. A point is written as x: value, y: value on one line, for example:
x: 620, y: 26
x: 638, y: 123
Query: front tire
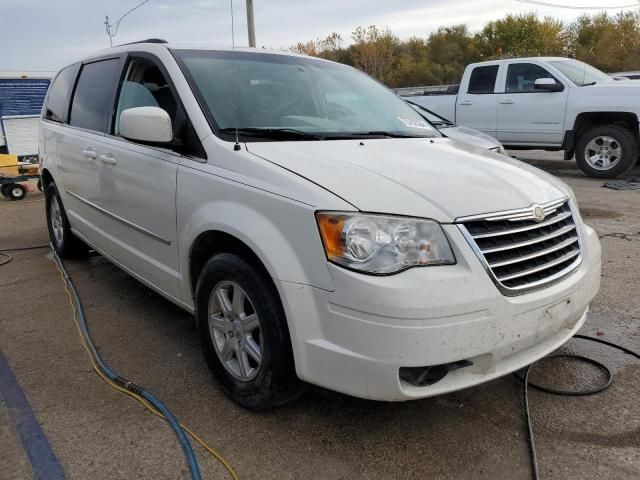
x: 606, y: 151
x: 64, y: 242
x: 244, y: 333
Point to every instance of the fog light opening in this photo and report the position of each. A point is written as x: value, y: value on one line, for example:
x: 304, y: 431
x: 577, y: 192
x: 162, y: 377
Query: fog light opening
x: 425, y: 376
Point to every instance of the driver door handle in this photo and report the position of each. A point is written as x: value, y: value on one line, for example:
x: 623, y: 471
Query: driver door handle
x: 108, y: 160
x: 508, y: 101
x: 87, y: 152
x: 466, y: 102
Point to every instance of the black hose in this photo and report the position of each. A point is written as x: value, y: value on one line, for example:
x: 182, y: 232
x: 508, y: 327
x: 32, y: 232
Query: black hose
x: 589, y: 391
x: 8, y: 257
x: 123, y: 382
x: 17, y: 249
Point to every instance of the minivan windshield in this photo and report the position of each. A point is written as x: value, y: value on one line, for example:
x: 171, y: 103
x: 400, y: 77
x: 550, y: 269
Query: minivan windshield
x: 288, y: 97
x: 580, y: 73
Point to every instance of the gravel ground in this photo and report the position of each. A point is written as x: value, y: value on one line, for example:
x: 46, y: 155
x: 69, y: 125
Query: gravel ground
x: 477, y: 433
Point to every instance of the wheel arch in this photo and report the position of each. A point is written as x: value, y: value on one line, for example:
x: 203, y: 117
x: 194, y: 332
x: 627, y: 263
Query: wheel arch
x: 46, y: 178
x: 212, y: 242
x: 282, y: 235
x: 587, y: 120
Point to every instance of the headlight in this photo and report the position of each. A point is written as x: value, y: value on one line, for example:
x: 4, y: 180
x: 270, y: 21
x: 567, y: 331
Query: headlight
x: 382, y: 244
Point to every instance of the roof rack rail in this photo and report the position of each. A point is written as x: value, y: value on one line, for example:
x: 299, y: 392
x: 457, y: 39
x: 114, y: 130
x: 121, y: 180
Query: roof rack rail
x: 148, y: 40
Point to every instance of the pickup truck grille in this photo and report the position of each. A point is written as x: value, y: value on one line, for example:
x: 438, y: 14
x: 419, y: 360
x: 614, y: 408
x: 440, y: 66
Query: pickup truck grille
x: 525, y: 249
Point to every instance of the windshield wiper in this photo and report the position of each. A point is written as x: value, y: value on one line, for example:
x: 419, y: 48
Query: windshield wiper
x: 274, y: 133
x: 374, y: 134
x: 394, y: 134
x: 588, y: 84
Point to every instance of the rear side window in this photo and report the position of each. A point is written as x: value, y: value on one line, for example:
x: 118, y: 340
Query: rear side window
x: 93, y: 96
x: 483, y: 79
x: 59, y: 94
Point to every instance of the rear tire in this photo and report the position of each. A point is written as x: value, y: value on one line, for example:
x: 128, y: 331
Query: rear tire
x: 16, y: 191
x: 64, y: 242
x: 606, y: 151
x: 245, y: 338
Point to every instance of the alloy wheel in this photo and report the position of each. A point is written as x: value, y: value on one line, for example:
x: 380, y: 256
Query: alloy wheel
x: 235, y: 330
x: 603, y: 152
x: 55, y: 213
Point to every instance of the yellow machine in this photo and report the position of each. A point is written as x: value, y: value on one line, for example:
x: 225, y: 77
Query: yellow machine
x: 13, y: 173
x: 9, y: 166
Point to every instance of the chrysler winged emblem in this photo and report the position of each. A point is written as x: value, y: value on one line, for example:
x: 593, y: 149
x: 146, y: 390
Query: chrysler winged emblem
x: 538, y: 213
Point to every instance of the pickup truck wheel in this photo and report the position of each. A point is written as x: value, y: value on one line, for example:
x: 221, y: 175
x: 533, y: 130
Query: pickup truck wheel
x: 606, y: 151
x: 244, y: 334
x: 64, y: 242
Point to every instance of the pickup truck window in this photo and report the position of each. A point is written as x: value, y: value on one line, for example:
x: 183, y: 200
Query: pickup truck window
x: 521, y: 77
x: 483, y: 79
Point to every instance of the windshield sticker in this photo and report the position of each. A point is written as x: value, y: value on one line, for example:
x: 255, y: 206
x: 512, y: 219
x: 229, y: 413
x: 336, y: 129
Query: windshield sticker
x: 408, y: 122
x: 261, y: 81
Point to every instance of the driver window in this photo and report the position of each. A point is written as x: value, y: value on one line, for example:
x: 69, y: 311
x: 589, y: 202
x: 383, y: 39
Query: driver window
x: 145, y: 86
x: 521, y: 77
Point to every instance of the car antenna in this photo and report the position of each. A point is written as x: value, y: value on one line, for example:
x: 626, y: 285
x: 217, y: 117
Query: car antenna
x: 236, y: 147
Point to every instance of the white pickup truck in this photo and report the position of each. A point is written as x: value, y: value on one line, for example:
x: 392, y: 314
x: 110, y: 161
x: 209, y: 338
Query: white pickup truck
x: 547, y: 103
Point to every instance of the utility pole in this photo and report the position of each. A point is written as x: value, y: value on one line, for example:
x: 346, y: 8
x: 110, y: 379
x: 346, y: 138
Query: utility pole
x: 112, y: 30
x: 251, y: 29
x: 107, y: 27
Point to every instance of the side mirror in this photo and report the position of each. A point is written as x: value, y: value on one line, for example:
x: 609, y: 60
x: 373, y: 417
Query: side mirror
x: 548, y: 85
x: 146, y: 124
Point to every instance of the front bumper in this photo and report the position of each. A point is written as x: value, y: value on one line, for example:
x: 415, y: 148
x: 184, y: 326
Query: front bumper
x: 356, y: 338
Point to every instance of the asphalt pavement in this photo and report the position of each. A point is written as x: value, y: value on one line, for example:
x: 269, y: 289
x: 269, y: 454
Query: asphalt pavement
x: 57, y: 415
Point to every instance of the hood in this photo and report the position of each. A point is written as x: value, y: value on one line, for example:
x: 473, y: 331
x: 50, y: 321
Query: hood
x: 428, y: 178
x: 470, y: 136
x: 619, y: 88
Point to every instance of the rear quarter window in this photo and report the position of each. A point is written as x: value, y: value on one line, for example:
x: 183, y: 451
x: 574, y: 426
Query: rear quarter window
x: 58, y: 96
x: 93, y: 96
x: 483, y: 79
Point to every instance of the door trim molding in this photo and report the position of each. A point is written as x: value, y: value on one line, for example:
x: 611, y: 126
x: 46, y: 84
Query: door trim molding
x: 153, y: 286
x: 120, y: 219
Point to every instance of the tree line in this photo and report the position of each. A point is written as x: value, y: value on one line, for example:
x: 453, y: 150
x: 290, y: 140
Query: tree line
x: 608, y: 42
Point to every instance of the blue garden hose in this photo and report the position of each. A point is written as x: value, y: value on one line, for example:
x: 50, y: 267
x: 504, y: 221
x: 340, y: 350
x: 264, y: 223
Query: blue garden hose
x: 131, y: 387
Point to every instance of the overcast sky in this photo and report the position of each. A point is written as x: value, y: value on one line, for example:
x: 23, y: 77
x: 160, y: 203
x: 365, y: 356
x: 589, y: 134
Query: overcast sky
x: 46, y: 35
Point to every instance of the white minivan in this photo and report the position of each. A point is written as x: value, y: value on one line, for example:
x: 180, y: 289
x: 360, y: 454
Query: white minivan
x: 317, y: 226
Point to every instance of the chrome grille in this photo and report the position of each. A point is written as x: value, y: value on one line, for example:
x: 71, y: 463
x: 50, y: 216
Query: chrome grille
x: 525, y: 249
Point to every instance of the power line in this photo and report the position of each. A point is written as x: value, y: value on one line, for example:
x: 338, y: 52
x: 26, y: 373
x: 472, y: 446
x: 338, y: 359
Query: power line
x: 575, y: 7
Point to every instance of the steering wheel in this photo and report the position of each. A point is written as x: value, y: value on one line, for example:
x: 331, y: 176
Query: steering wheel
x: 337, y: 113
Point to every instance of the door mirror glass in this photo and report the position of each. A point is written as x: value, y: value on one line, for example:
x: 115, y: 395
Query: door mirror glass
x: 146, y: 124
x: 548, y: 84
